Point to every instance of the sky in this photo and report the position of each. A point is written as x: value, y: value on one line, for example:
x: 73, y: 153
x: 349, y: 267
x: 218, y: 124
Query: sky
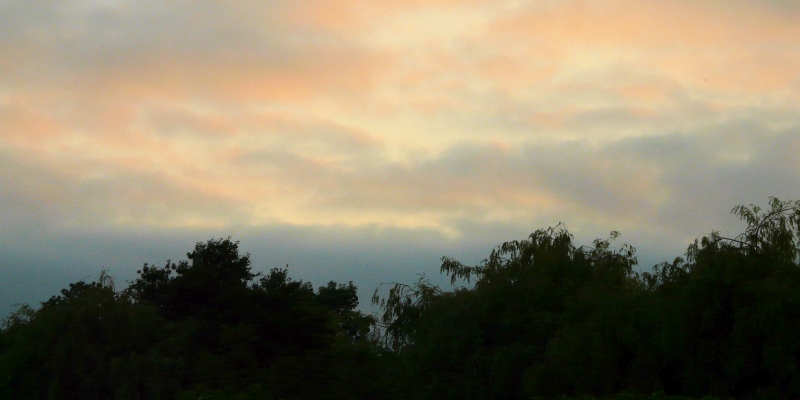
x: 364, y: 140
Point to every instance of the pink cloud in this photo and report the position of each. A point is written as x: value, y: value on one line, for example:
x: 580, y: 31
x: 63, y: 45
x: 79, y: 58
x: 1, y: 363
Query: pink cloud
x: 327, y: 111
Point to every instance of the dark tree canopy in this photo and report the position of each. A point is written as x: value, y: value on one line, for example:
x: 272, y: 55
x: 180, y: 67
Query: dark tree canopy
x: 540, y: 318
x: 222, y: 260
x: 214, y: 272
x: 202, y: 327
x: 545, y: 317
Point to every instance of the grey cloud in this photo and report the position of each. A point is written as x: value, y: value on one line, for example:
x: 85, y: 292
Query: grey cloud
x: 697, y: 176
x: 672, y: 180
x: 458, y: 181
x: 472, y: 179
x: 38, y: 194
x: 315, y: 134
x: 289, y: 168
x: 709, y: 172
x: 204, y: 49
x: 30, y: 194
x: 591, y: 184
x: 676, y: 182
x: 172, y: 24
x: 787, y: 8
x: 622, y: 116
x: 295, y: 149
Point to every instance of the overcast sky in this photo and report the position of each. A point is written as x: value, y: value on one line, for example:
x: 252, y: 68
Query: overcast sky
x: 363, y: 140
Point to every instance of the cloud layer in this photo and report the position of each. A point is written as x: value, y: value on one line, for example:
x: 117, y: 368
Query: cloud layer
x: 472, y: 120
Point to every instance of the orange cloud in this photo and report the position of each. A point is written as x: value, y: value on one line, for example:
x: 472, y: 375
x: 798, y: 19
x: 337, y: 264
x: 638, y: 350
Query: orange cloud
x: 360, y: 112
x: 654, y: 25
x: 736, y: 48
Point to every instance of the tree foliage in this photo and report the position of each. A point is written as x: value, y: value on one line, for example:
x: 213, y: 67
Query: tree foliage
x: 207, y: 326
x: 545, y: 317
x: 540, y: 318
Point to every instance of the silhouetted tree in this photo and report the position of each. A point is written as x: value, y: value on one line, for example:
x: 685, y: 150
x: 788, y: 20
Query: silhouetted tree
x: 548, y: 318
x: 539, y: 317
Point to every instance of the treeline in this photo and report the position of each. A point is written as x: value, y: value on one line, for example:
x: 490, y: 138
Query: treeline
x: 540, y: 318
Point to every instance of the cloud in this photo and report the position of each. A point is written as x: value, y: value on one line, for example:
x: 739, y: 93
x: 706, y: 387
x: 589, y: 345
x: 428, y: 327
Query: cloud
x: 182, y: 167
x: 67, y: 195
x: 178, y: 51
x: 463, y: 122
